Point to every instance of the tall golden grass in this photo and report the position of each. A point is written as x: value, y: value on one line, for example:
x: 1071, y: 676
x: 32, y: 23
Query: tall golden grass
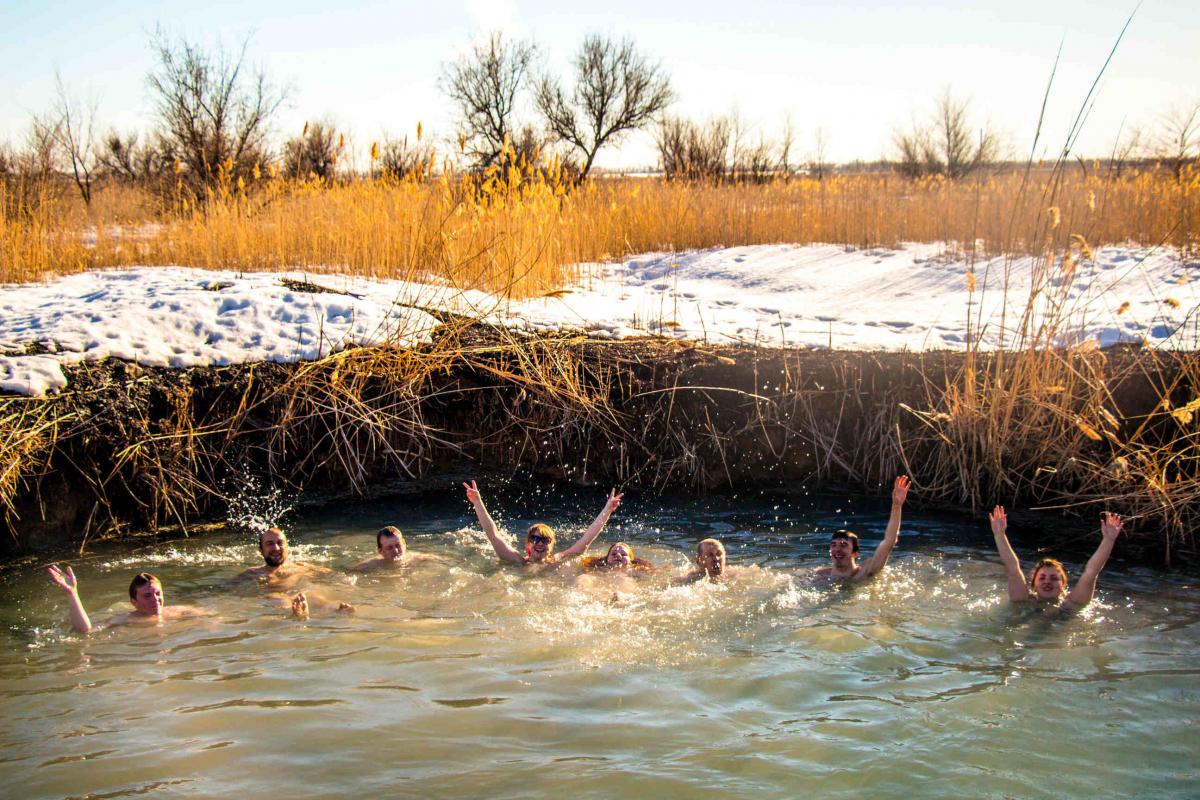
x: 1036, y: 424
x: 523, y: 231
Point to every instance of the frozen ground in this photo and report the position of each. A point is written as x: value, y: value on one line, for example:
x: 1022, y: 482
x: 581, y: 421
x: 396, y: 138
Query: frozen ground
x: 914, y: 298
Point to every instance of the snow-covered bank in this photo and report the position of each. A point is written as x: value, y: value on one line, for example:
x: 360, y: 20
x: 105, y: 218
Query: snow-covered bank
x: 914, y: 298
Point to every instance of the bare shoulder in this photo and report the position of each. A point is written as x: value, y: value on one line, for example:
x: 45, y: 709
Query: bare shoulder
x: 825, y: 572
x: 366, y: 566
x: 186, y: 612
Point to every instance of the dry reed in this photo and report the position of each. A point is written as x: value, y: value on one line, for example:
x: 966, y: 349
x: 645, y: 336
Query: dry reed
x: 523, y: 232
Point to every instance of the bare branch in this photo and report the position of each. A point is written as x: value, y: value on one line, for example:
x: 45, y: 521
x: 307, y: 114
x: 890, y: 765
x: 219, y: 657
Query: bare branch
x: 74, y: 134
x: 214, y: 117
x: 484, y: 85
x: 616, y: 91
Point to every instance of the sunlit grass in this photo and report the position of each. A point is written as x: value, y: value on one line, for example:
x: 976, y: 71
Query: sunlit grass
x: 523, y: 231
x: 1039, y: 423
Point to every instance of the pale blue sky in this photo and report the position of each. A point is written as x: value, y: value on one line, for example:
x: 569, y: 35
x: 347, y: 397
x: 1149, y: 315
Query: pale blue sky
x: 857, y: 70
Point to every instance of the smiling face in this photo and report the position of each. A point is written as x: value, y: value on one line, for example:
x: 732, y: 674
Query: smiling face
x: 619, y: 556
x: 539, y: 542
x: 146, y: 594
x: 710, y: 557
x: 391, y: 544
x: 1049, y: 580
x: 843, y: 548
x: 274, y: 547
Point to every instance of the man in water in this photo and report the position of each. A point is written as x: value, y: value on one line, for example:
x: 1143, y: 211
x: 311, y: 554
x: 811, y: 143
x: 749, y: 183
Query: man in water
x: 393, y: 553
x: 710, y: 563
x: 844, y: 545
x: 145, y: 592
x: 540, y: 538
x: 281, y: 574
x: 1048, y: 583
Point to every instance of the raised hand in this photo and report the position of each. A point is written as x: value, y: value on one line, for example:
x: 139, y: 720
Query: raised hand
x: 65, y: 580
x: 900, y: 490
x: 300, y: 606
x: 1110, y: 525
x: 614, y: 501
x: 472, y: 492
x: 999, y: 521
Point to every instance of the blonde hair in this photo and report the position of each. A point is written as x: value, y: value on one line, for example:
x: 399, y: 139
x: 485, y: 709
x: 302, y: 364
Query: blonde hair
x: 594, y: 563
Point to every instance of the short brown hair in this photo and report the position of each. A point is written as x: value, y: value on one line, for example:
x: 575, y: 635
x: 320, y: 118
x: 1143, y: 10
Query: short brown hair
x: 140, y: 580
x: 388, y: 530
x: 849, y: 536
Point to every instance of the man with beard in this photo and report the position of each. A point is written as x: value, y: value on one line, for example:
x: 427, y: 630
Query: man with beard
x: 145, y: 593
x: 393, y: 553
x: 280, y: 575
x: 1048, y: 583
x: 540, y: 538
x: 844, y: 546
x: 710, y: 563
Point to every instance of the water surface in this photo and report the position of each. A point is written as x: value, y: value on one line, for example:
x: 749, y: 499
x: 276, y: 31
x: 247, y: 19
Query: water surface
x: 468, y: 678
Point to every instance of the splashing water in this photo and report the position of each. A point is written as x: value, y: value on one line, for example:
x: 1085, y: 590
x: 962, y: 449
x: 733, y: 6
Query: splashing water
x: 465, y: 677
x: 254, y: 510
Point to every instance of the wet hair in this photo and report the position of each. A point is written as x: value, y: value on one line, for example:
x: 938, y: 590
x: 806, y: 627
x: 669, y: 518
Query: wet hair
x: 271, y: 530
x: 541, y: 529
x: 1048, y: 563
x: 389, y: 530
x: 714, y: 542
x: 140, y: 580
x: 849, y: 536
x: 596, y: 563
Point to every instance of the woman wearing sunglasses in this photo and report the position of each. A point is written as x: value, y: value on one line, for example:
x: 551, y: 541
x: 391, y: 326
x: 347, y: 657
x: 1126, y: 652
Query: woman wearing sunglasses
x: 540, y: 538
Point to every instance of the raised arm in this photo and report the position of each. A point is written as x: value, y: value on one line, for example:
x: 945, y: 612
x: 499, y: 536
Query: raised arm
x: 1085, y: 588
x: 892, y: 534
x: 503, y: 549
x: 67, y: 582
x: 1018, y: 590
x: 589, y: 536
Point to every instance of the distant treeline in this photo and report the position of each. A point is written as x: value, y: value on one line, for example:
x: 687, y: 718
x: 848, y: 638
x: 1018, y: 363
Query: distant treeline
x: 213, y: 119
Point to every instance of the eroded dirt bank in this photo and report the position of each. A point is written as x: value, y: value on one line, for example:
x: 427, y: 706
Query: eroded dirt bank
x: 130, y: 448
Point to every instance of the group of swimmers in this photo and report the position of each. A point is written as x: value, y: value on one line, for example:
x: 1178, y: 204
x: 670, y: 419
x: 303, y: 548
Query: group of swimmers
x: 281, y: 574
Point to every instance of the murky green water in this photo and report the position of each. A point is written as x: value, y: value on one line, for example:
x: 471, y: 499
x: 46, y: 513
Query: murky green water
x: 468, y: 679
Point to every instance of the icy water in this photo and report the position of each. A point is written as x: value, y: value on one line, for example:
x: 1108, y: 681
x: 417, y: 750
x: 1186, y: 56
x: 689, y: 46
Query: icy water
x: 470, y: 679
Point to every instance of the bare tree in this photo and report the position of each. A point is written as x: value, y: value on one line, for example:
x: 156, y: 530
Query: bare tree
x: 948, y: 144
x: 1179, y: 141
x: 74, y: 133
x: 399, y: 159
x: 616, y: 91
x: 1127, y: 148
x: 29, y: 173
x: 786, y: 141
x: 211, y: 110
x: 124, y: 157
x: 484, y: 85
x: 692, y: 150
x: 818, y: 163
x: 315, y: 152
x: 911, y: 146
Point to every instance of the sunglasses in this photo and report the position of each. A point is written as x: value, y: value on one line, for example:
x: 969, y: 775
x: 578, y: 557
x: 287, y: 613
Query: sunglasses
x: 539, y: 539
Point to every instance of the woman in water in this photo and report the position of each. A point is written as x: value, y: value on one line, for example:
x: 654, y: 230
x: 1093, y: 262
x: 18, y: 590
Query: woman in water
x: 614, y: 572
x: 620, y: 558
x: 540, y: 538
x: 1048, y: 581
